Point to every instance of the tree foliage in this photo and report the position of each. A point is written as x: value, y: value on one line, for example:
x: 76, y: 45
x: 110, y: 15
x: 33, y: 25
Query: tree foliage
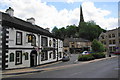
x: 88, y: 30
x: 97, y: 46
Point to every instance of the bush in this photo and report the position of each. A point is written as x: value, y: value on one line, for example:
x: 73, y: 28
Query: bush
x: 98, y: 55
x: 85, y: 57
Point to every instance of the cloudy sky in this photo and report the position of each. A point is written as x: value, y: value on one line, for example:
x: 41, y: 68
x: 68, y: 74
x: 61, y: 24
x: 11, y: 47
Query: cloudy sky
x: 60, y: 13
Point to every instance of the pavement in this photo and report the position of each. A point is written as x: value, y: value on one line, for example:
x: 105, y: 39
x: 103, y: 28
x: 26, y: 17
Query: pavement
x: 46, y: 67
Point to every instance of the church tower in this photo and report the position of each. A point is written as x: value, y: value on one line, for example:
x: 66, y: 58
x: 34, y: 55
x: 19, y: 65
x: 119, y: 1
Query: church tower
x: 81, y: 16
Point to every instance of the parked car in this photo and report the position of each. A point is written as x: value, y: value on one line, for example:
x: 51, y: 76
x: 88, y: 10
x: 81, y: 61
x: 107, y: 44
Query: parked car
x: 85, y: 53
x: 65, y: 58
x: 117, y: 53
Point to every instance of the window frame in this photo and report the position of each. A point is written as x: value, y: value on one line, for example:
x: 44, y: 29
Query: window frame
x: 20, y: 38
x: 11, y: 59
x: 18, y: 57
x: 42, y: 41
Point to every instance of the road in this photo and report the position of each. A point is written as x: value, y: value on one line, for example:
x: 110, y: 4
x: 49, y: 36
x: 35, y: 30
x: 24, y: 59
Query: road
x: 101, y: 69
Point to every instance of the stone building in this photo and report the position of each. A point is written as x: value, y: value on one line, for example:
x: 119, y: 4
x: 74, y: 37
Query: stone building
x: 111, y: 40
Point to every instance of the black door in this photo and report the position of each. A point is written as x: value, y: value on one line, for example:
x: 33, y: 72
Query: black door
x: 33, y: 58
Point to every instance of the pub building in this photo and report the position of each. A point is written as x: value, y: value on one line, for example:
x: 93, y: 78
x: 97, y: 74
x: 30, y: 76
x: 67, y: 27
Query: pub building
x: 24, y: 44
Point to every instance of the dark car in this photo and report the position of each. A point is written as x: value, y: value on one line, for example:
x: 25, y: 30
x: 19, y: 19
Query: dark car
x: 65, y: 58
x: 117, y: 53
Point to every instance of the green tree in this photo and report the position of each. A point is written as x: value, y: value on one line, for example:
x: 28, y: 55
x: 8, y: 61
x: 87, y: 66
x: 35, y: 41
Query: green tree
x: 97, y: 46
x: 89, y: 30
x: 71, y: 30
x: 54, y: 30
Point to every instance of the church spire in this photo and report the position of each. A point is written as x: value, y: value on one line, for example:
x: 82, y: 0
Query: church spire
x: 81, y: 15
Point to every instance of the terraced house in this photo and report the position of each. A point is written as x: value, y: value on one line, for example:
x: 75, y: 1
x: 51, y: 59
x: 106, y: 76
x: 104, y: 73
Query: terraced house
x: 111, y: 40
x: 24, y: 44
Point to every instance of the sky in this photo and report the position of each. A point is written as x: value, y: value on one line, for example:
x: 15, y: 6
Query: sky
x: 60, y: 13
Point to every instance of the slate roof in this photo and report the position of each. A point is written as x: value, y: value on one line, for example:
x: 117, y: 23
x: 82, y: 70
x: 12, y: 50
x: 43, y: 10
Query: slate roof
x: 13, y: 22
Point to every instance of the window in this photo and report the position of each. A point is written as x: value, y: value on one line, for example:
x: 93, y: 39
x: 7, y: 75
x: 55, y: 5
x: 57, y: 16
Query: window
x: 29, y: 37
x: 26, y: 56
x: 18, y: 38
x: 109, y: 35
x: 102, y: 37
x: 119, y: 41
x: 113, y: 35
x: 110, y: 42
x: 54, y: 54
x: 44, y: 41
x: 54, y: 42
x: 33, y: 40
x: 44, y: 56
x: 114, y: 42
x: 119, y: 34
x: 50, y: 43
x: 50, y: 55
x: 11, y: 57
x: 18, y: 57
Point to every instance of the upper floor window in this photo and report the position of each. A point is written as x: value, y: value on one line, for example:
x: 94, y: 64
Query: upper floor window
x: 54, y: 43
x: 18, y: 38
x: 109, y: 35
x: 119, y: 34
x: 113, y: 35
x: 102, y: 37
x: 32, y: 39
x: 44, y: 41
x: 50, y: 43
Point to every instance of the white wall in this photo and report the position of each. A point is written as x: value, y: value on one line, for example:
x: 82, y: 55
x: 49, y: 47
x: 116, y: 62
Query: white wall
x: 26, y: 63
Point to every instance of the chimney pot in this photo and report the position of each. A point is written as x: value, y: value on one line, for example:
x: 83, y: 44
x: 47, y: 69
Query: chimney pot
x: 10, y: 11
x: 31, y: 20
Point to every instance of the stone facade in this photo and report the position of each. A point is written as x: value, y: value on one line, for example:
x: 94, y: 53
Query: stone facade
x: 111, y: 40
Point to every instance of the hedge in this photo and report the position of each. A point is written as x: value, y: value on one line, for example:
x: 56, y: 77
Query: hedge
x: 98, y: 55
x: 85, y: 57
x: 91, y: 56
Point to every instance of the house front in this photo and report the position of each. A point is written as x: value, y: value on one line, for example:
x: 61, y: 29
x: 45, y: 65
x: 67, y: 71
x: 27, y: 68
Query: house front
x: 76, y: 45
x: 24, y: 44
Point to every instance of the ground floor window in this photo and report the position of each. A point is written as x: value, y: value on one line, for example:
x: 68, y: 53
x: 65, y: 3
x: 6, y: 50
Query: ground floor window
x: 11, y: 57
x: 18, y: 57
x: 54, y: 54
x: 60, y: 54
x: 44, y: 56
x: 50, y: 55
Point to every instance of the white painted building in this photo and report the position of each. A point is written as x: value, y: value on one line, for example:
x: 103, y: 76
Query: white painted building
x: 24, y: 44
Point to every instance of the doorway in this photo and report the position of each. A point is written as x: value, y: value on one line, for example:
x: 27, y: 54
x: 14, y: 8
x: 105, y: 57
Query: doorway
x: 33, y: 58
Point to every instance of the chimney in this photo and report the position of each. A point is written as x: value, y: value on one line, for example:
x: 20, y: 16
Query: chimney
x: 10, y: 11
x: 31, y: 20
x: 48, y: 29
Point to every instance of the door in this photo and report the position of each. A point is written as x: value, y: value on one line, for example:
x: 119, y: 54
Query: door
x: 33, y: 58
